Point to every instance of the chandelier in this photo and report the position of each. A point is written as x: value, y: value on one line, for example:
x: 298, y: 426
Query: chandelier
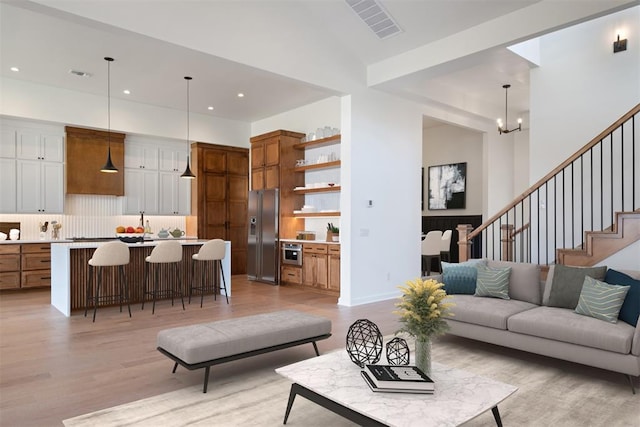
x: 503, y: 127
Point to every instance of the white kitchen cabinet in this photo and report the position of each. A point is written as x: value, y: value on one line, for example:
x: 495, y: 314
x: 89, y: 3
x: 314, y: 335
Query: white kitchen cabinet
x: 141, y: 192
x: 140, y: 156
x: 171, y: 160
x: 8, y: 187
x: 175, y: 194
x: 40, y: 186
x: 8, y: 143
x: 34, y: 144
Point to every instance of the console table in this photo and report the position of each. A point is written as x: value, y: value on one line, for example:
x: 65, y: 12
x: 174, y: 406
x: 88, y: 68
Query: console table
x: 69, y: 271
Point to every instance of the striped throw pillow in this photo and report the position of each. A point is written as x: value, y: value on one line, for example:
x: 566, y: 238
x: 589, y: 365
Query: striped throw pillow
x: 601, y: 300
x: 493, y: 282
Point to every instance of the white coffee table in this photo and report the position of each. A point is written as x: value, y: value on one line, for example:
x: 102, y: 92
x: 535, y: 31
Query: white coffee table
x: 334, y: 382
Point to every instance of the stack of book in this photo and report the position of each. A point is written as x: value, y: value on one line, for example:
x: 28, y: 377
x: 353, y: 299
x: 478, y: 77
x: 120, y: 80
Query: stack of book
x: 397, y: 379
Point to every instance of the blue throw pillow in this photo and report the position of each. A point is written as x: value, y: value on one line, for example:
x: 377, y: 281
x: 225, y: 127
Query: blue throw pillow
x: 461, y: 278
x: 630, y: 310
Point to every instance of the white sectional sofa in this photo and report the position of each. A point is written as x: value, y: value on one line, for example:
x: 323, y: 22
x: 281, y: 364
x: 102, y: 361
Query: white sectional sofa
x: 526, y: 322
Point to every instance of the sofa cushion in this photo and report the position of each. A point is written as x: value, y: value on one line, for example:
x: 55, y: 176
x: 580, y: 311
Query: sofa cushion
x: 490, y: 312
x: 493, y: 282
x: 630, y: 310
x: 601, y: 300
x: 524, y: 281
x: 565, y: 325
x: 564, y: 284
x: 460, y: 278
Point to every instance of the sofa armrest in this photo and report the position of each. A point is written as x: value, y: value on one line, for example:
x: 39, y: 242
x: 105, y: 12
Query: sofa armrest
x: 635, y: 344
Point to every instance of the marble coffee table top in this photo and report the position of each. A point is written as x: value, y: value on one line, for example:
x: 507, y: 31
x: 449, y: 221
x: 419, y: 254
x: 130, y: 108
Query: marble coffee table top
x: 459, y: 397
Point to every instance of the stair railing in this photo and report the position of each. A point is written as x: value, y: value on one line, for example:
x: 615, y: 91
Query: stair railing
x: 581, y: 194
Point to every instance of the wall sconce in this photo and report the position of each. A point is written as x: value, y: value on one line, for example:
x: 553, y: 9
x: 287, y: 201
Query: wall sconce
x: 619, y: 45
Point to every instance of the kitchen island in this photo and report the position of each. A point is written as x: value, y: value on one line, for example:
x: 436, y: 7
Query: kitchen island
x: 70, y: 271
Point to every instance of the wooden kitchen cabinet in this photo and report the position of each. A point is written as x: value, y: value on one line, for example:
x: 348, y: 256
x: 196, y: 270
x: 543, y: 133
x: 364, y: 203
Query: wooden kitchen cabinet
x: 291, y: 274
x: 36, y: 265
x: 219, y: 198
x: 9, y: 266
x: 272, y: 155
x: 333, y: 265
x: 26, y: 265
x: 314, y: 265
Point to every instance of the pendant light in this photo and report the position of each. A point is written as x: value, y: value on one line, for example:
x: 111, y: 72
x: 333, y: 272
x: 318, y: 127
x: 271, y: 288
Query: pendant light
x: 503, y: 127
x: 109, y: 167
x: 187, y: 172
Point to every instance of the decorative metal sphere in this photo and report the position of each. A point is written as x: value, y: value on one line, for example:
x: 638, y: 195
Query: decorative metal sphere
x: 364, y: 342
x: 397, y: 352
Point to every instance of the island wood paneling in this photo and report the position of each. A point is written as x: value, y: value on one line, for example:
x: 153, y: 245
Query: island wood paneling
x: 134, y: 273
x: 86, y: 153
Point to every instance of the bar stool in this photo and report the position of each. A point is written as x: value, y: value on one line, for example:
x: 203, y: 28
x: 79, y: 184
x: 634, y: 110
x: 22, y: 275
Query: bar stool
x: 211, y: 252
x: 169, y: 252
x: 112, y: 254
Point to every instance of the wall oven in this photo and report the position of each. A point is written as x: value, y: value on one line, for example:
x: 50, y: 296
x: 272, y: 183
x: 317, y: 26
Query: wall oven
x: 292, y: 253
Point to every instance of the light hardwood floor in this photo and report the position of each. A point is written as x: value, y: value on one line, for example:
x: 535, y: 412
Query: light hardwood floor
x: 53, y: 367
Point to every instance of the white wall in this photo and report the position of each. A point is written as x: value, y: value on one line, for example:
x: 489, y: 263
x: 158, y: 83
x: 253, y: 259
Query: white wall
x: 626, y: 259
x: 446, y: 144
x: 382, y: 157
x: 38, y: 102
x: 304, y: 119
x: 581, y: 87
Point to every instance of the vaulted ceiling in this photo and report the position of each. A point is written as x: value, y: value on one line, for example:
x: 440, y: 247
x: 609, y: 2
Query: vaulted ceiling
x: 283, y: 54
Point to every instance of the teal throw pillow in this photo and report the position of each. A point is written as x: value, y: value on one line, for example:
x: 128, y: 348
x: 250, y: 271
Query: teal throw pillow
x: 566, y: 284
x: 630, y: 310
x: 601, y: 300
x: 493, y: 282
x: 460, y: 278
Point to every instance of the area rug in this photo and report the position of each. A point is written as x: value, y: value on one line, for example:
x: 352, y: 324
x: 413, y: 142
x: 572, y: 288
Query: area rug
x: 550, y: 392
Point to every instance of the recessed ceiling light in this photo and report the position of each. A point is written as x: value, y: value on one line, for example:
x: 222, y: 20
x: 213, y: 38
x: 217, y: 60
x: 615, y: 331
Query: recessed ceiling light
x: 240, y: 95
x: 209, y: 108
x: 126, y: 92
x: 15, y: 69
x: 79, y: 73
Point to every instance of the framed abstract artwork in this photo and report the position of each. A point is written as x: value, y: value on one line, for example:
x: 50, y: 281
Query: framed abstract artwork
x: 447, y: 186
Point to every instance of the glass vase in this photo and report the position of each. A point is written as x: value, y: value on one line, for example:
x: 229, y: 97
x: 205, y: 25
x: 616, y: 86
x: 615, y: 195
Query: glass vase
x: 423, y: 354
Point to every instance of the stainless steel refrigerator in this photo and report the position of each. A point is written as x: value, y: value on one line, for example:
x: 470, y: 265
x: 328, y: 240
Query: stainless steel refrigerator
x: 262, y: 260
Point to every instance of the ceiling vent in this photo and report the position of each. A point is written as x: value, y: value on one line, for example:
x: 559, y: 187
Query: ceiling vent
x: 376, y: 18
x: 79, y: 73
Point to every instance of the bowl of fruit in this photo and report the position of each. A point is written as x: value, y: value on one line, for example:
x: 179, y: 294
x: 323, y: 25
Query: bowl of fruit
x: 130, y: 234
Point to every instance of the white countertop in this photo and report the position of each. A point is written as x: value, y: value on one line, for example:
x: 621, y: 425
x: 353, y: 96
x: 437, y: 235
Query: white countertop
x: 308, y: 241
x: 17, y: 242
x: 146, y: 243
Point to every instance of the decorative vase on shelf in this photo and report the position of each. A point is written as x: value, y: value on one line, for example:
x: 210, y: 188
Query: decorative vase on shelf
x: 422, y: 354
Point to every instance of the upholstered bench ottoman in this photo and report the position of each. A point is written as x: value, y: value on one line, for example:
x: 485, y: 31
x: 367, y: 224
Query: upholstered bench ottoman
x: 207, y: 344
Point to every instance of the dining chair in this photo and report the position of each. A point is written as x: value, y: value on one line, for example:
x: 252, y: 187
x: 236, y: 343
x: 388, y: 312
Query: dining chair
x: 445, y: 246
x: 431, y: 249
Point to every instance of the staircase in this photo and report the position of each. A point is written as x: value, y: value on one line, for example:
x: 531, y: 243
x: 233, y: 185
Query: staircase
x: 582, y: 212
x: 600, y: 245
